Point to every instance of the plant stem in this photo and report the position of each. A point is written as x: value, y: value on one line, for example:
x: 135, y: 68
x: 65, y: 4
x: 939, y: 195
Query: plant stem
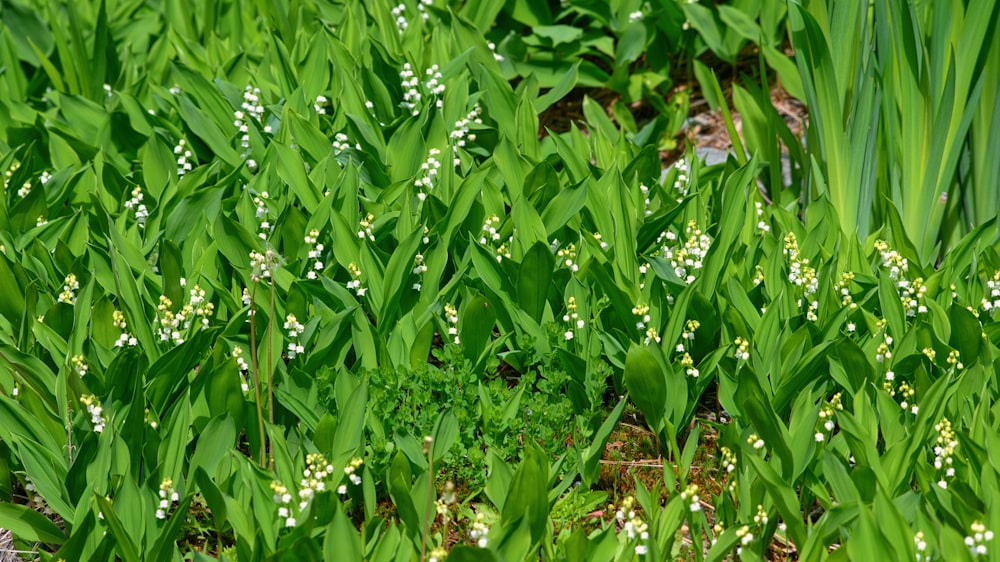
x: 270, y: 375
x: 256, y: 373
x: 430, y: 499
x: 69, y: 433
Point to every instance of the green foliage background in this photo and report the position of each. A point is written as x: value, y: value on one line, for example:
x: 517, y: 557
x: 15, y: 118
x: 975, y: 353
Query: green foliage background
x: 252, y: 249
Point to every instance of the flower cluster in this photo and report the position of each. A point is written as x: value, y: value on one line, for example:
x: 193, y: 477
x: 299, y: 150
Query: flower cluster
x: 572, y: 319
x: 434, y: 85
x: 690, y: 494
x: 183, y: 157
x: 262, y: 264
x: 355, y: 282
x: 635, y: 16
x: 977, y: 541
x: 633, y: 525
x: 644, y: 189
x: 745, y: 536
x: 760, y: 518
x: 118, y: 320
x: 351, y: 472
x: 9, y: 173
x: 252, y: 108
x: 173, y: 324
x: 826, y: 417
x: 70, y: 286
x: 429, y: 171
x: 365, y: 227
x: 954, y: 360
x: 412, y: 95
x: 802, y: 275
x: 944, y: 450
x: 411, y: 83
x: 891, y: 259
x: 283, y: 499
x: 294, y: 328
x: 920, y: 545
x: 761, y: 223
x: 643, y: 271
x: 690, y: 327
x: 341, y: 145
x: 419, y: 268
x: 682, y: 181
x: 251, y: 104
x: 25, y: 189
x: 320, y: 104
x: 493, y: 49
x: 35, y: 500
x: 907, y: 392
x: 167, y: 495
x: 503, y: 250
x: 460, y: 133
x: 742, y: 352
x: 97, y: 419
x: 79, y: 363
x: 315, y: 253
x: 729, y: 465
x: 314, y: 477
x: 641, y: 311
x: 244, y: 368
x: 883, y: 351
x: 991, y: 303
x: 136, y: 204
x: 566, y: 257
x: 262, y: 212
x: 451, y: 315
x: 687, y: 259
x: 843, y: 288
x: 490, y: 229
x: 442, y: 506
x: 755, y: 441
x: 688, y: 365
x: 479, y: 529
x: 912, y: 296
x: 423, y: 10
x: 401, y: 23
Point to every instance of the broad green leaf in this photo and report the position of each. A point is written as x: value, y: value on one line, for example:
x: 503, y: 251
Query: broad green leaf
x: 644, y: 379
x: 527, y: 500
x: 534, y: 278
x: 27, y: 524
x: 126, y: 546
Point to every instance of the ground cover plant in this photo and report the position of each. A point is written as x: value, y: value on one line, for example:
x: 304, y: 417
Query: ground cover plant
x: 311, y: 281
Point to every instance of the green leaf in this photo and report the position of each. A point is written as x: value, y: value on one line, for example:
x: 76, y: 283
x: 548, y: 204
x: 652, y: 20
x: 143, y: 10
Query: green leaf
x: 528, y: 497
x: 399, y: 481
x: 342, y: 541
x: 591, y: 456
x: 645, y: 380
x: 165, y: 547
x: 770, y: 428
x: 126, y: 546
x: 464, y: 553
x: 534, y: 278
x: 29, y: 525
x: 444, y: 435
x: 352, y: 421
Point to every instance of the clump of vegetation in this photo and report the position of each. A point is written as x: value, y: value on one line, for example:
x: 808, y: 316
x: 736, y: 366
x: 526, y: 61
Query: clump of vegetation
x: 328, y: 281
